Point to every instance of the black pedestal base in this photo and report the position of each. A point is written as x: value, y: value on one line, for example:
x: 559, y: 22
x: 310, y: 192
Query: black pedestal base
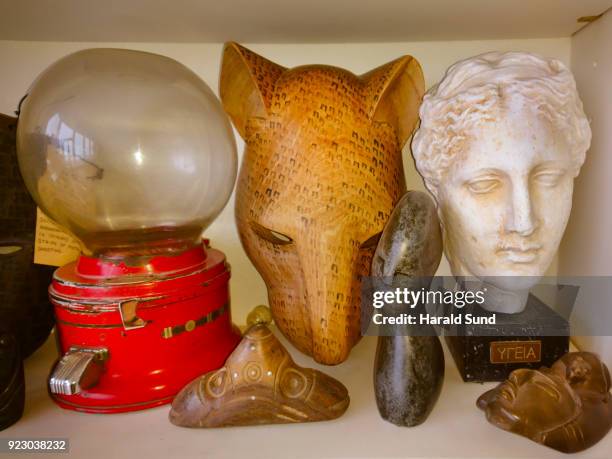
x: 524, y: 340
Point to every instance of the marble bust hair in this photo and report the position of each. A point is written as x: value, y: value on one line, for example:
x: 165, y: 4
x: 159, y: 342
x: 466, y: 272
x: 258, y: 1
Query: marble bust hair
x: 474, y: 91
x: 502, y: 136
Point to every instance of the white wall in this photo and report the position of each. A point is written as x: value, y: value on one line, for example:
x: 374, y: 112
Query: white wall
x: 587, y: 246
x: 20, y: 63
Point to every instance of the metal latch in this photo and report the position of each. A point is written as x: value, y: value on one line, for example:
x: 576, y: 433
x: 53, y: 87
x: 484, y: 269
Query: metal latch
x: 80, y: 368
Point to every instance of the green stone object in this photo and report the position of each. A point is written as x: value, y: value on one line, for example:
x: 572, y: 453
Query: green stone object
x: 409, y: 370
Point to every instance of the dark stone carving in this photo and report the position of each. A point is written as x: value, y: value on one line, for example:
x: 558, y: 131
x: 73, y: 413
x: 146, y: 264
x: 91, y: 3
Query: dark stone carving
x: 24, y: 285
x: 409, y: 370
x: 12, y: 386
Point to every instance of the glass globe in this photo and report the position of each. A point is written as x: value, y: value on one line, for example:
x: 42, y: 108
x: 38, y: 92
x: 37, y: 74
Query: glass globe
x: 125, y: 149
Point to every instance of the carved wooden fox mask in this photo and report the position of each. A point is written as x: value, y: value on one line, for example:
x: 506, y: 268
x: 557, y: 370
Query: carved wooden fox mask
x: 321, y: 173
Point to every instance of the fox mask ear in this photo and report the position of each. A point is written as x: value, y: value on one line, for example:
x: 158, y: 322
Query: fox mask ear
x: 394, y: 92
x: 246, y: 84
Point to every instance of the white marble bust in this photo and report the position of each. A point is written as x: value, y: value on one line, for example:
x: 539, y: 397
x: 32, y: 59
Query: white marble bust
x: 501, y: 139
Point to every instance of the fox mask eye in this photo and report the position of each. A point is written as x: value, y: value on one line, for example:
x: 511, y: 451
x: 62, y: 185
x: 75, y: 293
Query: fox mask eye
x: 270, y: 235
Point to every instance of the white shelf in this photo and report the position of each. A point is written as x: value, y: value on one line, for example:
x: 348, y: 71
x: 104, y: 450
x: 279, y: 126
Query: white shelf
x: 291, y: 21
x: 456, y: 428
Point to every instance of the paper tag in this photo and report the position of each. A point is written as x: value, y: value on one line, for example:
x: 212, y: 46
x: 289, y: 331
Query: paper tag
x: 53, y: 246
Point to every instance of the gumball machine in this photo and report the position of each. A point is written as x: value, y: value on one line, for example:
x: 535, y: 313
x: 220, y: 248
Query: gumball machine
x: 132, y: 153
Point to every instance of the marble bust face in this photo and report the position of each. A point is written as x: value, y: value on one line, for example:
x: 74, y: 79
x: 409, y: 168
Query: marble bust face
x: 502, y: 138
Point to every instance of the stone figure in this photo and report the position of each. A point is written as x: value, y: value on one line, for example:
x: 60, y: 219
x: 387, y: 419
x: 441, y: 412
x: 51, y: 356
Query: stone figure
x: 567, y: 407
x: 321, y: 173
x: 259, y: 384
x: 501, y: 139
x: 409, y: 370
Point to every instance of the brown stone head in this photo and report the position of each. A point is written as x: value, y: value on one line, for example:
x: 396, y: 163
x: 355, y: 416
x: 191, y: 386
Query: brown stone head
x: 567, y: 407
x: 321, y: 173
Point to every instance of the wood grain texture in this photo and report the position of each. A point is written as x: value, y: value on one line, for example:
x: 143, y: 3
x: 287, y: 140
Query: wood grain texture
x: 321, y: 174
x: 259, y: 384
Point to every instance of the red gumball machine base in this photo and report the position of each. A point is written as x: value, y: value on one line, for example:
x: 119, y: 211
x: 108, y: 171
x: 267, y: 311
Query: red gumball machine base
x: 131, y: 336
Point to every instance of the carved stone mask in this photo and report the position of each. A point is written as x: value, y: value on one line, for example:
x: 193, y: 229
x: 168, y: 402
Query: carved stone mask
x: 567, y: 407
x: 321, y: 173
x: 502, y: 137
